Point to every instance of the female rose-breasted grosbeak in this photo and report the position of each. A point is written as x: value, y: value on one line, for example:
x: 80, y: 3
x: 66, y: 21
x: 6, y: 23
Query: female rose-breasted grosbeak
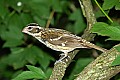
x: 58, y: 39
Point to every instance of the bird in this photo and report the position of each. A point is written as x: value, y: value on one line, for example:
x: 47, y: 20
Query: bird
x: 58, y: 39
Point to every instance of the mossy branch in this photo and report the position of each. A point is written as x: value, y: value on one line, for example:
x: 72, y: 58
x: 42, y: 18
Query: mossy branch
x: 100, y: 68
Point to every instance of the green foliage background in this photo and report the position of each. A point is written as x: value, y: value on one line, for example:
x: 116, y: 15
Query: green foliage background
x: 18, y: 50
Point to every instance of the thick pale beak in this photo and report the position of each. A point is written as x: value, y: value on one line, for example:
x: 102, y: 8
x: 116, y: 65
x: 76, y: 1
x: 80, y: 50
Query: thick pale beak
x: 24, y: 30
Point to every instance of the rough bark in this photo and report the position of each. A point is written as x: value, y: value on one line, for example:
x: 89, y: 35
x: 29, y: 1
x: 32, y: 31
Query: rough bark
x: 100, y: 68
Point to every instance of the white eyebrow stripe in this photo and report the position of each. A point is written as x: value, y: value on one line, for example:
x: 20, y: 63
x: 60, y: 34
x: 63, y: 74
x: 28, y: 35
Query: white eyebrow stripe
x: 56, y: 38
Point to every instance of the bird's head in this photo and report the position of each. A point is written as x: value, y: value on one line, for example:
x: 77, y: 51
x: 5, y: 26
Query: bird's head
x: 32, y: 29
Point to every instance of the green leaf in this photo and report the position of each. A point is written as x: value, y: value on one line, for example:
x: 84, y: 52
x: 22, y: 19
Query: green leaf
x: 3, y: 9
x: 109, y: 4
x: 32, y: 54
x: 116, y: 61
x: 27, y: 75
x: 40, y: 21
x: 15, y: 21
x: 36, y: 70
x: 117, y: 7
x: 43, y: 58
x: 13, y: 34
x: 40, y: 9
x: 79, y: 24
x: 34, y: 73
x: 3, y: 69
x: 70, y: 27
x: 48, y: 72
x: 45, y: 61
x: 16, y: 58
x: 106, y: 30
x: 2, y: 29
x: 12, y: 43
x: 26, y: 18
x: 56, y: 4
x: 13, y: 29
x: 75, y: 15
x: 99, y: 13
x: 118, y: 48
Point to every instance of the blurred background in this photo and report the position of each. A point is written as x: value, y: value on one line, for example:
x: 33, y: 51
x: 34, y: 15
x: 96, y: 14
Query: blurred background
x: 18, y: 50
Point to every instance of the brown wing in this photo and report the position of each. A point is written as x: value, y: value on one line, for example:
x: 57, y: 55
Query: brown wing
x: 67, y: 41
x: 62, y: 38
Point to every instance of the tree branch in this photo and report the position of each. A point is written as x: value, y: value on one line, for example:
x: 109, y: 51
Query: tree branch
x: 60, y: 67
x: 50, y: 18
x: 100, y: 68
x: 90, y: 17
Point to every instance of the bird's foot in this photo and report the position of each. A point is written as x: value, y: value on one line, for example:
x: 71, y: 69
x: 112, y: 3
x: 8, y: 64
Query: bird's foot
x: 64, y: 58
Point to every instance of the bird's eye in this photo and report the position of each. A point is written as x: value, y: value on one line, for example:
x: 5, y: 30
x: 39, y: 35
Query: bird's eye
x: 29, y: 27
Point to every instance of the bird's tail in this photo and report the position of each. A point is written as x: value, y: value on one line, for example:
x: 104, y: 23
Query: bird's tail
x: 91, y: 45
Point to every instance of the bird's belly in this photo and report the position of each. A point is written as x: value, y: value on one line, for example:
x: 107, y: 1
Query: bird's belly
x: 60, y: 48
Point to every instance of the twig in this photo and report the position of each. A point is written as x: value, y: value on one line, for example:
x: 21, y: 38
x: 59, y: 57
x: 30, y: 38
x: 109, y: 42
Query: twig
x: 50, y: 18
x: 103, y: 11
x: 90, y: 17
